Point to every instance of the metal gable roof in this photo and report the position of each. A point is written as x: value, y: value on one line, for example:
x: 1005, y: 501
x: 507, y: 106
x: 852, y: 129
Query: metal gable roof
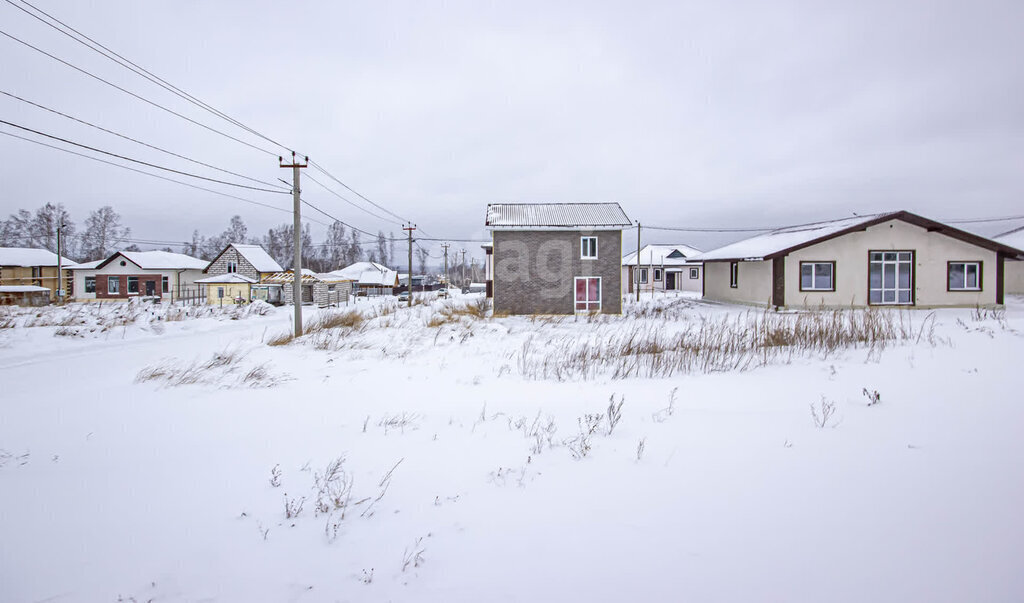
x: 556, y: 215
x: 785, y: 240
x: 668, y: 255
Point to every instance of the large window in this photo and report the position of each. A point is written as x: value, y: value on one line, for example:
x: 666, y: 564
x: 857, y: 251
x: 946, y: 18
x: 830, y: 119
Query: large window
x: 817, y: 276
x: 133, y: 284
x: 734, y: 274
x: 588, y: 248
x: 588, y: 294
x: 90, y: 284
x: 643, y: 276
x: 964, y: 276
x: 113, y: 285
x: 891, y: 277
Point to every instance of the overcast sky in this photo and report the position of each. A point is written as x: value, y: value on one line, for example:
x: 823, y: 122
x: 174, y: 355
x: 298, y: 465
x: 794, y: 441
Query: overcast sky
x: 688, y: 114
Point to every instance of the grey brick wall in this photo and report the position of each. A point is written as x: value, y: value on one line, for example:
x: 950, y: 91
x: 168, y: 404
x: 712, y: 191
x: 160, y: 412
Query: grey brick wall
x: 231, y: 255
x: 535, y: 271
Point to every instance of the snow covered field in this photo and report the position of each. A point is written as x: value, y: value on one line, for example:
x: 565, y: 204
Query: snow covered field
x: 146, y: 459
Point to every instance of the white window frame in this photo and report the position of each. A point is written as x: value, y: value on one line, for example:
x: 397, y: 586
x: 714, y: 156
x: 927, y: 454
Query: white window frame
x: 964, y: 287
x: 643, y: 276
x: 895, y: 265
x: 657, y: 275
x: 814, y: 276
x: 600, y: 295
x: 116, y: 288
x: 694, y: 273
x: 90, y: 280
x: 734, y: 275
x: 588, y: 245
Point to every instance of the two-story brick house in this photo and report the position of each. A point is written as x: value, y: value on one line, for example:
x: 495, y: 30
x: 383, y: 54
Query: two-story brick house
x: 556, y: 258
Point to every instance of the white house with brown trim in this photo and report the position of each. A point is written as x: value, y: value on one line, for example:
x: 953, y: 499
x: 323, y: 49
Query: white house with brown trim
x: 1014, y: 277
x: 890, y: 259
x: 663, y: 268
x: 133, y: 274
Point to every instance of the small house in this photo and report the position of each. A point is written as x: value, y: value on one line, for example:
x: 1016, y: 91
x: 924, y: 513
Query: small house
x: 24, y: 267
x: 133, y: 274
x: 229, y: 288
x: 556, y: 258
x: 369, y: 278
x: 321, y: 290
x: 1014, y: 267
x: 889, y: 259
x: 663, y: 268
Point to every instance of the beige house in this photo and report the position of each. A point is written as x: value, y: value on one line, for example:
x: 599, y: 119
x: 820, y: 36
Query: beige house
x: 227, y: 289
x: 24, y: 267
x: 663, y: 268
x: 890, y: 259
x: 1014, y: 277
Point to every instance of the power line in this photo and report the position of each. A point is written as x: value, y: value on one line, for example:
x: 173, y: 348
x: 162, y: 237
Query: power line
x: 135, y: 68
x: 336, y: 194
x: 145, y: 144
x: 355, y: 192
x: 132, y: 94
x: 139, y: 161
x: 127, y: 167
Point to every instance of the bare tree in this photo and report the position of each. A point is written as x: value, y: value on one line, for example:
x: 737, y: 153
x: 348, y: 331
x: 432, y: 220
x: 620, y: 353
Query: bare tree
x: 382, y: 248
x: 333, y: 254
x: 103, y: 233
x: 421, y: 256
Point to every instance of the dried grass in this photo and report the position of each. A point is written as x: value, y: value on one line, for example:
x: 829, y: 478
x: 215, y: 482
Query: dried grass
x: 742, y: 342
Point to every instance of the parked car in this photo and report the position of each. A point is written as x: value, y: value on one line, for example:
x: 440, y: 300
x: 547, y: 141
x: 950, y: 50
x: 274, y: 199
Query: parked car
x: 443, y: 294
x: 403, y: 296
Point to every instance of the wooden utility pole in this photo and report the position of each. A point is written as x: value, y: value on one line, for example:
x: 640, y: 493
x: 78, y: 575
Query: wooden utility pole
x: 637, y: 260
x: 445, y: 247
x: 410, y: 228
x: 297, y: 241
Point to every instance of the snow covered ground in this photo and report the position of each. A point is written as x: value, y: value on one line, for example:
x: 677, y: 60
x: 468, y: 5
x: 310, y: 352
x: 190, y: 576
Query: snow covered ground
x: 141, y: 460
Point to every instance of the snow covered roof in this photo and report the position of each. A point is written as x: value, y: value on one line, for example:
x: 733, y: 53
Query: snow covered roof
x: 87, y: 265
x: 230, y: 277
x: 1014, y: 238
x: 254, y: 254
x: 158, y: 260
x: 663, y: 255
x: 791, y: 238
x: 369, y: 273
x: 21, y: 289
x: 555, y: 215
x: 25, y: 257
